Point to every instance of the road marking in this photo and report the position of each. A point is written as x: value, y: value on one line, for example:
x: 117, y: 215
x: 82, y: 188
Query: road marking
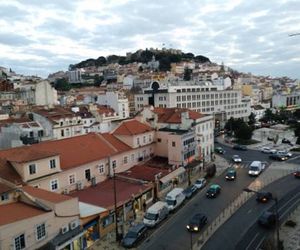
x: 249, y: 211
x: 293, y: 158
x: 257, y: 234
x: 260, y: 242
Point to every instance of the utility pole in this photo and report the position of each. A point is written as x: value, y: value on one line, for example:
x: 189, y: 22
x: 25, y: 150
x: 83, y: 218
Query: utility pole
x: 115, y: 205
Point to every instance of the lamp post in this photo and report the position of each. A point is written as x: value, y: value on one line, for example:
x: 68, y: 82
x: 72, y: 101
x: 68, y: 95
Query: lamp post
x: 248, y: 190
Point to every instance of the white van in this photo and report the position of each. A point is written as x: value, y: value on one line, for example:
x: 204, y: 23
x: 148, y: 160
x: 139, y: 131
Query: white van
x: 175, y: 198
x: 255, y: 168
x: 156, y: 213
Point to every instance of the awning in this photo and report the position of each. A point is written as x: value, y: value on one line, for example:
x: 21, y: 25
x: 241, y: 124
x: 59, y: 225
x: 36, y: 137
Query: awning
x: 172, y: 175
x: 86, y: 209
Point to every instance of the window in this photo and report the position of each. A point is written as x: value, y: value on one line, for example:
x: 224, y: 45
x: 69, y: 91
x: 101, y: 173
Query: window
x: 101, y: 169
x: 72, y: 179
x: 40, y: 231
x: 19, y: 242
x: 132, y: 157
x: 173, y: 144
x: 114, y: 163
x: 62, y: 133
x: 61, y: 123
x: 53, y: 185
x: 52, y: 164
x: 88, y: 174
x: 138, y: 141
x: 144, y: 139
x: 106, y: 221
x: 32, y: 169
x: 158, y: 140
x: 4, y: 197
x: 150, y: 138
x: 125, y: 159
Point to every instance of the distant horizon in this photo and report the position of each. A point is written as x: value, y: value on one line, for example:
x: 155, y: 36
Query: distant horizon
x: 39, y: 38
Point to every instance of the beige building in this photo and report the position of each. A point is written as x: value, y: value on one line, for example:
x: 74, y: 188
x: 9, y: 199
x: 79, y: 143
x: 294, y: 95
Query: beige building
x: 33, y: 218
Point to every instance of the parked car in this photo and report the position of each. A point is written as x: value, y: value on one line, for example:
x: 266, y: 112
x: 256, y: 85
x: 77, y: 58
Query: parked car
x: 278, y: 157
x: 231, y: 174
x: 267, y: 219
x: 213, y: 191
x: 236, y: 159
x: 156, y: 213
x: 219, y: 150
x: 264, y: 197
x: 190, y: 191
x: 297, y: 174
x: 285, y: 153
x: 197, y: 222
x: 200, y: 183
x: 240, y: 147
x: 175, y: 198
x: 265, y: 150
x: 134, y: 235
x: 284, y: 140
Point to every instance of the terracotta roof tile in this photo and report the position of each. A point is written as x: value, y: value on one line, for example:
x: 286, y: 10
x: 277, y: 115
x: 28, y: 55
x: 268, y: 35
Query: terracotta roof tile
x: 132, y: 127
x: 18, y: 211
x: 173, y: 115
x: 4, y: 188
x: 73, y: 152
x: 7, y: 172
x: 103, y: 194
x: 115, y: 142
x: 46, y: 195
x: 145, y: 173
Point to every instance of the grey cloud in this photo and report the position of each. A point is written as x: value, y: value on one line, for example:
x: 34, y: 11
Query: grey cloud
x: 14, y: 39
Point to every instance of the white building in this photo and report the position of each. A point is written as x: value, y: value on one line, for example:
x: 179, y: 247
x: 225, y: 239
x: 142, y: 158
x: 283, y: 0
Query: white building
x: 117, y: 100
x: 204, y: 99
x: 285, y: 100
x: 74, y: 76
x: 258, y: 111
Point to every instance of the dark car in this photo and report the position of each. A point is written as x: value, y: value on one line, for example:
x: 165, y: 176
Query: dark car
x: 284, y: 140
x: 278, y: 157
x: 267, y: 219
x: 213, y: 191
x: 134, y: 235
x: 264, y: 197
x: 219, y: 150
x: 190, y: 191
x: 196, y: 223
x: 239, y: 147
x: 231, y: 174
x: 297, y: 174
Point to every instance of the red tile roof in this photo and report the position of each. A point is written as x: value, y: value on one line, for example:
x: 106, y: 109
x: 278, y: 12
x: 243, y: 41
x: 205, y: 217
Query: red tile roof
x: 7, y: 172
x: 173, y: 115
x: 73, y: 152
x: 46, y: 195
x: 145, y: 173
x: 4, y: 188
x: 132, y: 127
x: 103, y: 194
x: 18, y: 211
x: 55, y: 114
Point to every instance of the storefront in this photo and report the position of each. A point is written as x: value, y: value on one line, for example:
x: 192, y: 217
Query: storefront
x: 91, y: 233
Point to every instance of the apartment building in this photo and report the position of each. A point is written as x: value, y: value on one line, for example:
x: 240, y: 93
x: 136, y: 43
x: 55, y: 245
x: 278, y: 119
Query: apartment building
x: 200, y: 98
x: 285, y: 100
x: 193, y: 131
x: 58, y: 122
x: 117, y: 100
x: 33, y: 218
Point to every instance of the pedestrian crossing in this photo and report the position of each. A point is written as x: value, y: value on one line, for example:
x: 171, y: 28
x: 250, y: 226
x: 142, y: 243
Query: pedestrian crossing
x: 245, y: 164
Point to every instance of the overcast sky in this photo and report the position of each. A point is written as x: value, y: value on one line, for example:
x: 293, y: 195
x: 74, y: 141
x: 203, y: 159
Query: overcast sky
x: 40, y: 36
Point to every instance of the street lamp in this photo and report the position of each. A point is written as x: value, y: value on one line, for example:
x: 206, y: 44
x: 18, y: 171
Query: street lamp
x: 248, y: 190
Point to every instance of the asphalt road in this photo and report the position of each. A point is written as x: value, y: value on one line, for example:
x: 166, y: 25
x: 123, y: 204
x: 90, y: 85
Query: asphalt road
x: 172, y: 234
x: 241, y: 231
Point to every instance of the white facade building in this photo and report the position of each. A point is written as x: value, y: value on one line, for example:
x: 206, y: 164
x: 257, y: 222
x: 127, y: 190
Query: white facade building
x: 203, y: 99
x: 117, y: 100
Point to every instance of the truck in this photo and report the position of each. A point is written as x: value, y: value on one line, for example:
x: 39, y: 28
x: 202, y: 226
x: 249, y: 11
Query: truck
x: 175, y: 198
x: 255, y: 168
